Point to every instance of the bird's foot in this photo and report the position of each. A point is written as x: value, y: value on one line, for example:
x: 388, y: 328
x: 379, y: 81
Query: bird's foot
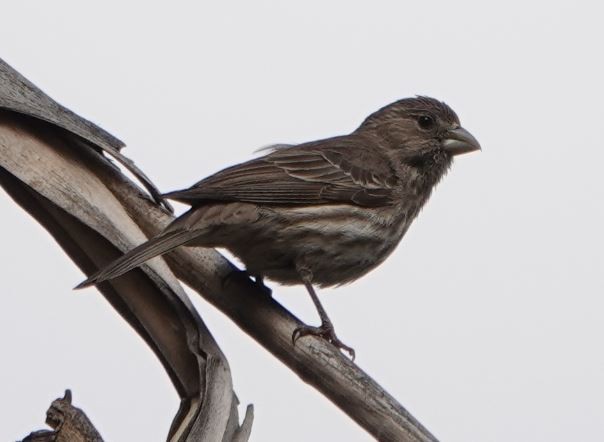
x: 325, y: 331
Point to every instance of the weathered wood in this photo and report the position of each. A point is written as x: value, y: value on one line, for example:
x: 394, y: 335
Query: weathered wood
x: 46, y: 173
x: 69, y: 424
x: 18, y: 94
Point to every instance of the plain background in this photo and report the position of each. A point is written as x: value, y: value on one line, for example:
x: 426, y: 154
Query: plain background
x: 486, y: 323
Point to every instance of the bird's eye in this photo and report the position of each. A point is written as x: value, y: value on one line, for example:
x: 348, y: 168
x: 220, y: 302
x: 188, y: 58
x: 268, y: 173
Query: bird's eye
x: 426, y: 122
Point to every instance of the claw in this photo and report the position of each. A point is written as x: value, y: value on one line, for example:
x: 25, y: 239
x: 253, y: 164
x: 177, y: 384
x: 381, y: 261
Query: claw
x: 326, y: 332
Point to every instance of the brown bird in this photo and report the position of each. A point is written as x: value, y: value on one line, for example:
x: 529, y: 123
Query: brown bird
x: 322, y: 213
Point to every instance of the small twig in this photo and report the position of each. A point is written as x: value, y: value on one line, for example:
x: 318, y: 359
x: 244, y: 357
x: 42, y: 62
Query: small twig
x: 69, y: 424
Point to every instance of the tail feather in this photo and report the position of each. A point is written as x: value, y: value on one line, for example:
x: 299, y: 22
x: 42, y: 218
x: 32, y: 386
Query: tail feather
x: 137, y: 256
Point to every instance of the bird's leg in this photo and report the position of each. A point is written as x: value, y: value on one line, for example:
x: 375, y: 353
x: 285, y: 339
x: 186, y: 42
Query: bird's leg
x: 326, y: 329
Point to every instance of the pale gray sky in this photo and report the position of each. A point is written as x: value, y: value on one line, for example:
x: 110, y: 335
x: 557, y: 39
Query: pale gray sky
x: 486, y: 323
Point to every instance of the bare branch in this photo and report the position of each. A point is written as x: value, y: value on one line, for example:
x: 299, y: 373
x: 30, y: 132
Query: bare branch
x: 44, y: 169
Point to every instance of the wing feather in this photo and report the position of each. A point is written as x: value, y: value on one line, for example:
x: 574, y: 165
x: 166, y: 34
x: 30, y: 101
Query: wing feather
x: 323, y: 172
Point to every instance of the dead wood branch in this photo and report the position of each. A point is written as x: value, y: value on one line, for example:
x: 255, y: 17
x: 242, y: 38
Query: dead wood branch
x: 83, y: 193
x: 43, y: 167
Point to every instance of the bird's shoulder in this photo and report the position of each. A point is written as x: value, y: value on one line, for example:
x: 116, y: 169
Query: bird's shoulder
x: 349, y: 160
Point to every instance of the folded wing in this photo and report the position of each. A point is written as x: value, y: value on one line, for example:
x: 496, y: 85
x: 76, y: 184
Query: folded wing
x: 324, y: 172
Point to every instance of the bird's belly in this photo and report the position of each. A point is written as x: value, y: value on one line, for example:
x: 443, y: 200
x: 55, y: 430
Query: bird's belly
x: 337, y: 244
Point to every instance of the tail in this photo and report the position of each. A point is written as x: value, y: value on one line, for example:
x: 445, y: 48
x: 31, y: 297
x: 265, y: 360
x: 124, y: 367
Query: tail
x: 137, y: 256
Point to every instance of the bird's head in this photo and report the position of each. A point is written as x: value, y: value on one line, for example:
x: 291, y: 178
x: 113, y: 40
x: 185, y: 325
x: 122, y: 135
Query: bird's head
x: 419, y: 128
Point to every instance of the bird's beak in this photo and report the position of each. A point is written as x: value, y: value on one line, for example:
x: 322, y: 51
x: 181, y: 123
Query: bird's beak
x: 459, y: 140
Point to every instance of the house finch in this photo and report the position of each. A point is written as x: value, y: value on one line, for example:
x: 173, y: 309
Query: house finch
x: 322, y: 213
